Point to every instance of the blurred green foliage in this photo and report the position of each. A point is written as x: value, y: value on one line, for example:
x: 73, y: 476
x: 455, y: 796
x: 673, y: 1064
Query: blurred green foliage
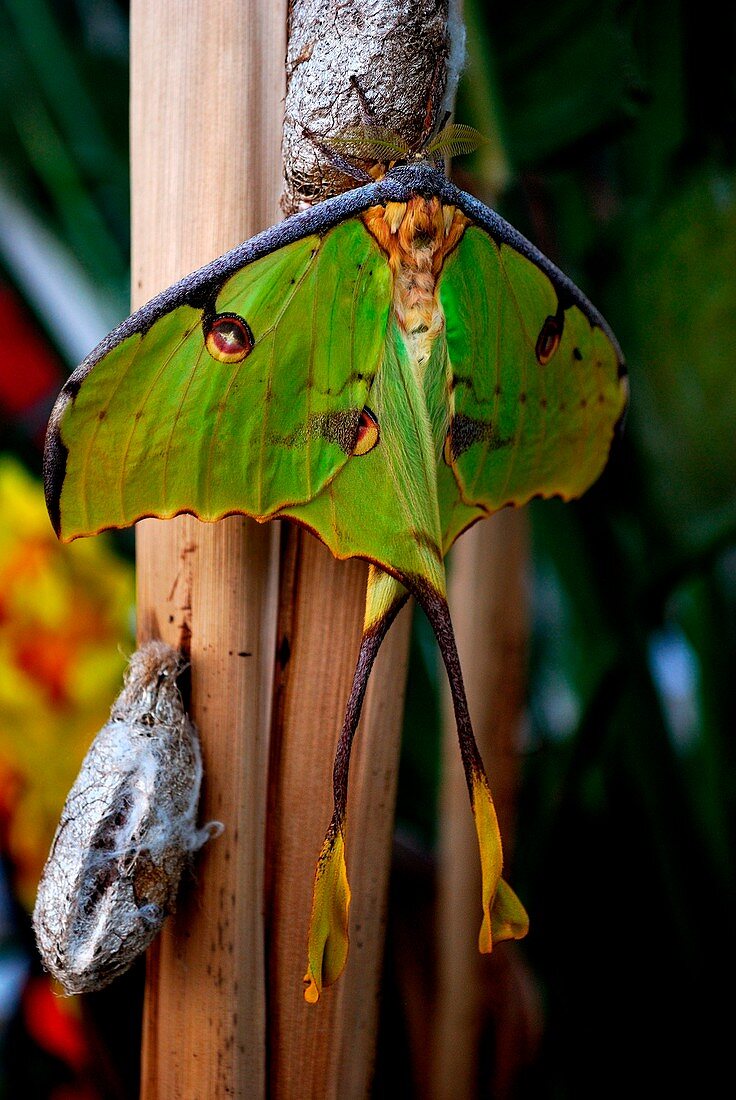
x: 613, y: 148
x: 617, y: 122
x: 63, y: 280
x: 64, y: 127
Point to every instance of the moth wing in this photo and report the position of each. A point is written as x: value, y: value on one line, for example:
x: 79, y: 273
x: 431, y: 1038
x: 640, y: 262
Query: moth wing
x: 537, y: 382
x: 161, y: 420
x: 382, y: 506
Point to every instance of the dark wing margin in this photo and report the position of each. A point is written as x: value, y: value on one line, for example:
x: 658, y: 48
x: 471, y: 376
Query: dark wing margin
x: 402, y: 183
x: 196, y: 290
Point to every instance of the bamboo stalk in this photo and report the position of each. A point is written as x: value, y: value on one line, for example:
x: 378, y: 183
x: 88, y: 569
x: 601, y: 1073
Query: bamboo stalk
x: 487, y: 597
x: 206, y: 102
x: 327, y: 1050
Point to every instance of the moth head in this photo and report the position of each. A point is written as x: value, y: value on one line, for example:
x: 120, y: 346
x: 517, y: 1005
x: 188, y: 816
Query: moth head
x: 378, y: 146
x: 385, y: 149
x: 453, y: 140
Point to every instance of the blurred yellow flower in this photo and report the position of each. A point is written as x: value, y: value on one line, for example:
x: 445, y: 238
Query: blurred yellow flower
x: 65, y: 622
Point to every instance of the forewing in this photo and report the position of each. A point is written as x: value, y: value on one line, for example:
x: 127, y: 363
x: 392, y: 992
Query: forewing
x: 157, y: 425
x: 382, y: 506
x: 536, y: 381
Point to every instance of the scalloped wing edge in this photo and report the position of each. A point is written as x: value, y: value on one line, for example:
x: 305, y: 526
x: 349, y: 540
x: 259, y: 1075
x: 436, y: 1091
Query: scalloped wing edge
x: 398, y: 185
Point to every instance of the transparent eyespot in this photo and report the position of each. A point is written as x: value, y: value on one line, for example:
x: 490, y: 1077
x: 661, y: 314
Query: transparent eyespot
x: 228, y: 338
x: 548, y: 340
x: 368, y: 433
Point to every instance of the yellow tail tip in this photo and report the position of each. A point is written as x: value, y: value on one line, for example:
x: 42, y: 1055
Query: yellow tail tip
x: 311, y: 993
x: 507, y: 920
x: 485, y: 936
x: 327, y: 949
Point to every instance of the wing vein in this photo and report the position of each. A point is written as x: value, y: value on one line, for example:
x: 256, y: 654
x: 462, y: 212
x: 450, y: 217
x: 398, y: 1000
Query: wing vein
x: 136, y: 422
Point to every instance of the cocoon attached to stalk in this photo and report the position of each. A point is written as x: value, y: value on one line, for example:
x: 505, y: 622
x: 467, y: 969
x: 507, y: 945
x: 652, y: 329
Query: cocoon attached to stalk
x: 127, y: 831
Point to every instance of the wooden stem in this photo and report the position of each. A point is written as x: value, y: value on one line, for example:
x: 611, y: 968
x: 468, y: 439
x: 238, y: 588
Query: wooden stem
x: 486, y: 594
x: 327, y: 1050
x: 206, y: 100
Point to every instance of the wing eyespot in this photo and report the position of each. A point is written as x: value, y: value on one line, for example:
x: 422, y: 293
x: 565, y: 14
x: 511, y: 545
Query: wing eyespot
x: 368, y: 433
x: 228, y: 338
x: 548, y: 340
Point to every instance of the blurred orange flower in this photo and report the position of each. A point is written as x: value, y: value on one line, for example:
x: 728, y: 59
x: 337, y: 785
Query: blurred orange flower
x: 65, y: 621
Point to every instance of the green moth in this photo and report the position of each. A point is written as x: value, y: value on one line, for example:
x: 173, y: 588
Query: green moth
x: 385, y: 368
